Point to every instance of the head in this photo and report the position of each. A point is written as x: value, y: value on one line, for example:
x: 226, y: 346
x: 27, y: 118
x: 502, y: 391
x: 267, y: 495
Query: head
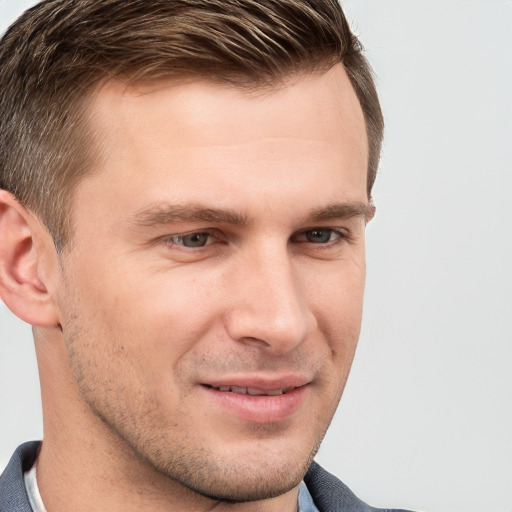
x: 186, y: 186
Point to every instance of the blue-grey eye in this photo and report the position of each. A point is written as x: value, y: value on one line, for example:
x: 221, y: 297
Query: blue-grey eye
x: 319, y: 236
x: 193, y: 240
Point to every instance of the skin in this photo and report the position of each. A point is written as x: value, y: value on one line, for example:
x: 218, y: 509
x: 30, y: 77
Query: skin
x: 137, y: 319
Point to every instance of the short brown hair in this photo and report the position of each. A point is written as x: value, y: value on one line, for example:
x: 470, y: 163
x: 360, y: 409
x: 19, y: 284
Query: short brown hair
x: 56, y: 54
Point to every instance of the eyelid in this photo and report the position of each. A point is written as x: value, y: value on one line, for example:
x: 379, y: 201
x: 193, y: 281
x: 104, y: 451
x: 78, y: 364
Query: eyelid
x: 170, y: 240
x: 342, y: 235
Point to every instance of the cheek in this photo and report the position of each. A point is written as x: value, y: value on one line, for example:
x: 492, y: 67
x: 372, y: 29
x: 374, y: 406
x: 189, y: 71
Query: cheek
x: 338, y: 310
x: 158, y: 321
x: 336, y: 297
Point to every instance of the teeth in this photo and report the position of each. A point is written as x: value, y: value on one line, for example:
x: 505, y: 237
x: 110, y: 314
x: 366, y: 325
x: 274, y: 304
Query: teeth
x: 275, y: 392
x: 253, y: 391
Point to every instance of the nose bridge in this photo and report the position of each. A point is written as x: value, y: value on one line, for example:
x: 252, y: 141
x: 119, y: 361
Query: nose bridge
x: 269, y: 304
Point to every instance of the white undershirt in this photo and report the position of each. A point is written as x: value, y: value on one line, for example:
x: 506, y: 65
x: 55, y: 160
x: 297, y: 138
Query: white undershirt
x: 34, y: 497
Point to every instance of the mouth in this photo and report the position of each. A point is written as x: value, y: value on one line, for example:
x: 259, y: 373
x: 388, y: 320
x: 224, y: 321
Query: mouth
x: 262, y: 402
x: 253, y: 391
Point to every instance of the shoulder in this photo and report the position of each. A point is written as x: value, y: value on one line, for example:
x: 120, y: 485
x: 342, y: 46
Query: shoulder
x: 13, y: 496
x: 332, y: 495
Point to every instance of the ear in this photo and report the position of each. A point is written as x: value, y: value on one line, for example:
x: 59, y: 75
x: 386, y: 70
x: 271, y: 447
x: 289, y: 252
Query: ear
x: 23, y: 243
x: 371, y: 211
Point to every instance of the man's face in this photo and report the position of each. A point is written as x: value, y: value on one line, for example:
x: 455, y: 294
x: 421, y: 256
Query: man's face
x: 211, y: 296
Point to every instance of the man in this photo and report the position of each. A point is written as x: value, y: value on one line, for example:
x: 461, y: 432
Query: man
x: 185, y: 187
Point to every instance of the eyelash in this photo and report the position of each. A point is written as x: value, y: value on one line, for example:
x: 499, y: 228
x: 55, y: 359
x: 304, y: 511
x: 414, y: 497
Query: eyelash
x: 340, y: 237
x: 174, y: 239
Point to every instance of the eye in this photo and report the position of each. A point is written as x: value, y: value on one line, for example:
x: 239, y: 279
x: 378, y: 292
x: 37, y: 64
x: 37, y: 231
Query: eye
x: 192, y: 240
x: 319, y: 236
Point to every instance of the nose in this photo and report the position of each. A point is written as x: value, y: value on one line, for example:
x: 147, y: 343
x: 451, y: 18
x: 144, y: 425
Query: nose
x: 269, y: 306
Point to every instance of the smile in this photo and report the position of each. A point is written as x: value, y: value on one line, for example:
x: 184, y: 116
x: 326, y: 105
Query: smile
x: 258, y: 404
x: 253, y: 391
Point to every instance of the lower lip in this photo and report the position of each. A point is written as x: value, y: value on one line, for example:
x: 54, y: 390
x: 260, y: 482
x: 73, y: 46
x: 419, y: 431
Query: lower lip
x: 261, y: 409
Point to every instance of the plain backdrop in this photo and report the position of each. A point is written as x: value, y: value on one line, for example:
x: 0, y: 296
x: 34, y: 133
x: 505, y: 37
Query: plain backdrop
x: 426, y: 418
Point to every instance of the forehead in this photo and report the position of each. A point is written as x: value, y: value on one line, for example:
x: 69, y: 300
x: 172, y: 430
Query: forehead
x: 218, y: 114
x: 188, y: 141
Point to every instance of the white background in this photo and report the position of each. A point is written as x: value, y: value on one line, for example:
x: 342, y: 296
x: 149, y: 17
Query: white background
x: 426, y: 419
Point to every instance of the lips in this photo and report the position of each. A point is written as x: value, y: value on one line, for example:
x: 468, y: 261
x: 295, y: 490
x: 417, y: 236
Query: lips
x: 254, y: 391
x: 258, y: 401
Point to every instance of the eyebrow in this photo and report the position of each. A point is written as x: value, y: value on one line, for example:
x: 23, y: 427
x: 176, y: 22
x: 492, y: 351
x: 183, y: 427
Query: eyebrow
x: 171, y: 213
x: 159, y: 215
x: 342, y: 211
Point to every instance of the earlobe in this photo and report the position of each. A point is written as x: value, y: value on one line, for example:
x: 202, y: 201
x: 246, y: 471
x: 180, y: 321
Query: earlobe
x: 21, y: 286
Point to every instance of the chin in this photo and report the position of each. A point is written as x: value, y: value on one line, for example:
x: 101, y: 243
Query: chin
x: 253, y: 475
x: 237, y: 486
